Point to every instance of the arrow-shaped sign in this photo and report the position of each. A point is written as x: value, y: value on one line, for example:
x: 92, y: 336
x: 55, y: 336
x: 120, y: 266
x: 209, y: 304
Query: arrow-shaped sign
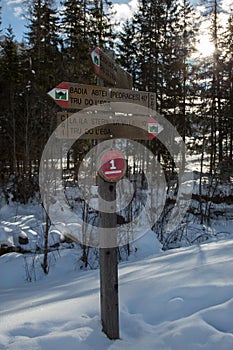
x: 61, y: 94
x: 95, y: 56
x: 79, y: 96
x: 107, y: 69
x: 80, y: 125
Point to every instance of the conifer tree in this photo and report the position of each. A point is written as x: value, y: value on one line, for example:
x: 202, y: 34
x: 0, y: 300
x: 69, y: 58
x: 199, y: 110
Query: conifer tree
x: 162, y: 33
x: 42, y: 65
x: 9, y: 83
x: 43, y: 41
x: 0, y: 16
x: 148, y: 23
x: 85, y: 24
x: 178, y: 77
x: 162, y: 36
x: 212, y: 92
x: 101, y: 32
x: 226, y: 46
x: 127, y: 49
x: 74, y: 30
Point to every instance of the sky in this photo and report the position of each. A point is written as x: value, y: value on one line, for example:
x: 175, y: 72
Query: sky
x: 13, y: 13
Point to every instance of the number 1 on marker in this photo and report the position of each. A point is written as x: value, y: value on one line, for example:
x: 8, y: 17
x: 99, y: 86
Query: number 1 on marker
x: 112, y: 164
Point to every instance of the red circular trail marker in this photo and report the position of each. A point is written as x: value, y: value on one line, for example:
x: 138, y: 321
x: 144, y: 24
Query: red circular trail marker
x: 112, y: 166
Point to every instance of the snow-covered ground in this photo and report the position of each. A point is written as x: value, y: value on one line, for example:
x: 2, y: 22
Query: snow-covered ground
x: 179, y: 299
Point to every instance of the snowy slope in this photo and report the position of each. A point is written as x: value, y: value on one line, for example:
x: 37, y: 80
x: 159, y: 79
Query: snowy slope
x: 181, y: 299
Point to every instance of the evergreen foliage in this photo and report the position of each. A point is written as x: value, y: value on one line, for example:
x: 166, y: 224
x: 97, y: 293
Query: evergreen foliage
x: 0, y: 16
x: 157, y: 46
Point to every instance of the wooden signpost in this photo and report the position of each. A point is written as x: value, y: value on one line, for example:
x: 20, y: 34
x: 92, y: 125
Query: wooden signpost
x: 92, y: 127
x: 107, y: 69
x: 112, y: 167
x: 112, y: 164
x: 79, y: 96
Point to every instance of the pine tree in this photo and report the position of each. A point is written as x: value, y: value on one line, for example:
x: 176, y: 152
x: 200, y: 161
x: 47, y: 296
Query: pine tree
x: 74, y: 29
x: 0, y: 16
x: 127, y: 50
x: 213, y: 92
x: 148, y: 23
x: 9, y: 82
x: 163, y: 34
x: 43, y: 41
x: 226, y: 47
x: 164, y: 37
x: 101, y: 32
x: 41, y: 62
x: 178, y: 58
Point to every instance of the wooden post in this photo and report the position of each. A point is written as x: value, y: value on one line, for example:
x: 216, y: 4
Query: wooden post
x: 109, y: 301
x: 108, y: 264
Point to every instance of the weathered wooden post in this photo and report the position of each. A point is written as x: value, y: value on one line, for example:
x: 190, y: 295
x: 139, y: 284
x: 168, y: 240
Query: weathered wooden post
x: 108, y: 265
x: 107, y: 70
x: 112, y: 167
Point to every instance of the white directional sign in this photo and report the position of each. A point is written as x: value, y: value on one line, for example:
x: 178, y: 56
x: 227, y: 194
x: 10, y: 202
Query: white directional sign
x: 79, y: 96
x: 83, y: 126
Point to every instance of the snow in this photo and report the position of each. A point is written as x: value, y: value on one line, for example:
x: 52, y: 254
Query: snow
x: 179, y: 299
x: 16, y: 221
